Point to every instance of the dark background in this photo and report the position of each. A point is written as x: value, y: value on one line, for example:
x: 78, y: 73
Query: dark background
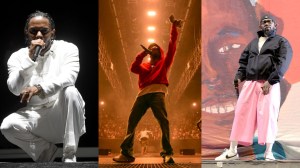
x: 76, y: 22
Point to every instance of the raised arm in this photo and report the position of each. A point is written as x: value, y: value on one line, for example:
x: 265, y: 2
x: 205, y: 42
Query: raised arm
x: 173, y: 40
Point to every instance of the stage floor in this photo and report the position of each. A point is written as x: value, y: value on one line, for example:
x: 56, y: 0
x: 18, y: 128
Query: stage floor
x: 48, y: 165
x: 152, y: 161
x: 156, y: 162
x: 251, y: 163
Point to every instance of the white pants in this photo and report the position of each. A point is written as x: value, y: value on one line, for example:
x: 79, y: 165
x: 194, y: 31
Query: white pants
x: 34, y: 130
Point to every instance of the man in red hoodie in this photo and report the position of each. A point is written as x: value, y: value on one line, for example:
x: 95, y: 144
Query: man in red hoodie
x: 153, y: 85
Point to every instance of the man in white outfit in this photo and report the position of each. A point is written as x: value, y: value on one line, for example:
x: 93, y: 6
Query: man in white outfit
x: 43, y: 74
x: 144, y: 136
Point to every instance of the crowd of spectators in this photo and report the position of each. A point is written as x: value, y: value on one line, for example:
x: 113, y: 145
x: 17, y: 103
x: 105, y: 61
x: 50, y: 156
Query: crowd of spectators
x: 181, y: 127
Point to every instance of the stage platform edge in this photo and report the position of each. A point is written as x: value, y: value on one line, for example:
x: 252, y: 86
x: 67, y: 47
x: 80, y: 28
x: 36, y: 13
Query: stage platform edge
x: 251, y: 163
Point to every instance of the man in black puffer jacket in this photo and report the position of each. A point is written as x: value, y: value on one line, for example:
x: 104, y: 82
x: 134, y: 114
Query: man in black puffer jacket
x: 263, y: 64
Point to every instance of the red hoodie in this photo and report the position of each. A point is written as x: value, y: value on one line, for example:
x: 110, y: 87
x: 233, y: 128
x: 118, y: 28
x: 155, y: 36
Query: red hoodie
x: 157, y: 75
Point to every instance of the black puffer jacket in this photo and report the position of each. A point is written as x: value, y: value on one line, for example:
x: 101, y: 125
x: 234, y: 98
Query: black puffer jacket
x: 270, y: 64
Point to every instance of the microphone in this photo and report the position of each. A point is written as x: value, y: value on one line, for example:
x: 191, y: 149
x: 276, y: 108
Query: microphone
x: 37, y: 52
x: 146, y: 49
x: 236, y: 86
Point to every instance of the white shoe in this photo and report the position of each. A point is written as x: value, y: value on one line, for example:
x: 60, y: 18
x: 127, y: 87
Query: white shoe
x: 69, y: 154
x: 269, y: 156
x: 69, y: 159
x: 227, y: 155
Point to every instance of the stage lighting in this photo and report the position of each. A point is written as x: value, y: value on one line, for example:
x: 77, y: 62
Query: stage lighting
x: 151, y: 40
x: 151, y: 28
x: 151, y: 13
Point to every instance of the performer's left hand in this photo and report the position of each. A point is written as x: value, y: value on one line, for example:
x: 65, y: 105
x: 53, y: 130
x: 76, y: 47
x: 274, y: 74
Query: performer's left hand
x: 266, y: 87
x: 27, y: 93
x: 178, y: 22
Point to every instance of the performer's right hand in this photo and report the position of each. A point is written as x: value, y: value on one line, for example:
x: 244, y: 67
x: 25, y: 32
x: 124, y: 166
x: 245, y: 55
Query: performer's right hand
x: 236, y: 82
x: 33, y: 44
x: 147, y: 51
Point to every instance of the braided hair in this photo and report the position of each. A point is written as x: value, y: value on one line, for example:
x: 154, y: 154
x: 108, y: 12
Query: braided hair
x: 35, y: 14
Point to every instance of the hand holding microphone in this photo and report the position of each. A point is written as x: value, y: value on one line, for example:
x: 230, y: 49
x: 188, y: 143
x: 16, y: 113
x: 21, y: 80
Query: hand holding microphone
x: 37, y: 51
x: 146, y: 50
x: 36, y: 48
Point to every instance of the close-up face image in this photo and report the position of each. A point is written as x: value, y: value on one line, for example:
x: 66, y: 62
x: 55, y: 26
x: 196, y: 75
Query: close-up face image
x: 224, y: 37
x: 225, y: 34
x: 234, y: 33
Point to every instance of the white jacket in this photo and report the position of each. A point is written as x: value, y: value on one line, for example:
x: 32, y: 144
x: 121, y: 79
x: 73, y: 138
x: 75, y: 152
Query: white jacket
x: 58, y: 68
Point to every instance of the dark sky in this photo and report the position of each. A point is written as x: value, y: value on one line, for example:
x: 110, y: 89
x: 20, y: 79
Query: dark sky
x: 76, y: 22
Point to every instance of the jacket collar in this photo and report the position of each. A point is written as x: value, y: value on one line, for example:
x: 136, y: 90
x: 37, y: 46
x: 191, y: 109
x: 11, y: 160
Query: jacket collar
x: 260, y: 33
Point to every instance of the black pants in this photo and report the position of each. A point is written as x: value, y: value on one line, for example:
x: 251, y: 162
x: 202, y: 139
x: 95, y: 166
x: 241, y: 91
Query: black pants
x: 155, y: 101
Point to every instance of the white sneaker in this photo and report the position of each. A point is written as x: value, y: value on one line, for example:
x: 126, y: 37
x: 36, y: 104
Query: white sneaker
x: 70, y: 159
x: 269, y: 156
x: 227, y: 155
x: 69, y: 154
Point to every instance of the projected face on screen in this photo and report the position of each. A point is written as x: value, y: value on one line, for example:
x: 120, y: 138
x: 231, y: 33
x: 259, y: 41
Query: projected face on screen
x: 227, y: 27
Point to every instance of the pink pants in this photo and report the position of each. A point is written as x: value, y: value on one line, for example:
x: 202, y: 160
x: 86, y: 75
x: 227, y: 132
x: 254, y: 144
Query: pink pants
x: 254, y: 110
